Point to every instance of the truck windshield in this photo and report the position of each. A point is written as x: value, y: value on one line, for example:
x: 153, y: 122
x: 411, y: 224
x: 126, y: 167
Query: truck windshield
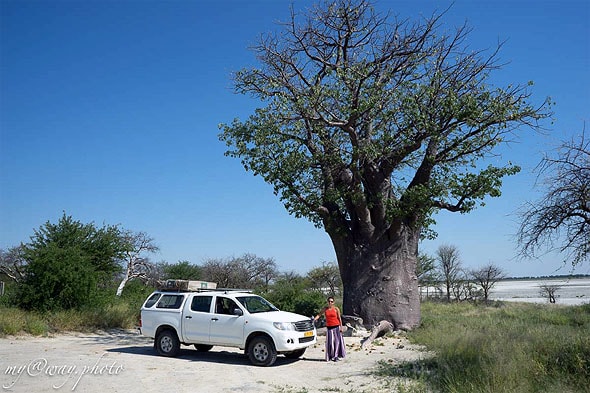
x: 256, y: 304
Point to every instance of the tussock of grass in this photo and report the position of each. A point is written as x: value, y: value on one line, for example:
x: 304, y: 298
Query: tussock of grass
x: 509, y: 348
x: 15, y: 321
x: 12, y: 320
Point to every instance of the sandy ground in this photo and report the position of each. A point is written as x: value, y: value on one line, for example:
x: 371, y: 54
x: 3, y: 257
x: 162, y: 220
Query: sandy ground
x: 124, y: 361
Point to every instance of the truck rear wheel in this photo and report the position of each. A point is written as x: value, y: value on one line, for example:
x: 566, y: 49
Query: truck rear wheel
x: 262, y: 352
x: 167, y: 343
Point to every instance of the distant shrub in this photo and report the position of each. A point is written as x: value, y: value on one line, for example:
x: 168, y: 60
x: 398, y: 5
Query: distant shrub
x: 309, y: 303
x: 294, y: 296
x: 57, y: 279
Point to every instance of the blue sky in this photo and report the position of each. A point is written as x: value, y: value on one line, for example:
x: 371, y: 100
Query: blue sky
x: 109, y: 111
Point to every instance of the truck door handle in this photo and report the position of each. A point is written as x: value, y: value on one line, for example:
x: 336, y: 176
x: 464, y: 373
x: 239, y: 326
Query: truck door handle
x: 188, y: 317
x: 215, y: 319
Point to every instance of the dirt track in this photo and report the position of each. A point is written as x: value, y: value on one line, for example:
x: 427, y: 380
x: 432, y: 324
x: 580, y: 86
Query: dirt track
x: 124, y: 361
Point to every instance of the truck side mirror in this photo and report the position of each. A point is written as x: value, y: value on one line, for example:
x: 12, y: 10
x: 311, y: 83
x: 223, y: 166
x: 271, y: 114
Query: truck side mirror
x: 238, y: 312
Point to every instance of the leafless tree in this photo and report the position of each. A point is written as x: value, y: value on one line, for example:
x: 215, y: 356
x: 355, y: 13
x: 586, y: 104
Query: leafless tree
x: 548, y: 291
x: 560, y: 221
x: 449, y: 263
x: 13, y: 263
x: 261, y: 271
x: 326, y: 276
x: 486, y: 277
x: 137, y: 265
x: 290, y: 277
x: 247, y: 271
x: 463, y: 288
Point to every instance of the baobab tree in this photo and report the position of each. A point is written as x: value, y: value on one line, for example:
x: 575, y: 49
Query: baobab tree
x: 369, y: 125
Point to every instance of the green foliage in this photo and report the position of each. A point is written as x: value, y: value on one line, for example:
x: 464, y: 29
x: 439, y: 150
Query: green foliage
x: 66, y: 264
x: 10, y: 297
x: 295, y: 296
x: 135, y: 293
x: 308, y: 303
x: 360, y: 124
x: 512, y: 348
x: 426, y: 269
x: 57, y: 278
x: 182, y: 270
x: 102, y: 247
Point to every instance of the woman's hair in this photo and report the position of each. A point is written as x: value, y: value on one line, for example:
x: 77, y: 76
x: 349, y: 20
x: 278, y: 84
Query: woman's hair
x: 330, y: 298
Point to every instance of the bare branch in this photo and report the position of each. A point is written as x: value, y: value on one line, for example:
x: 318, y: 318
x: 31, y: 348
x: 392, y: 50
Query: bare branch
x: 560, y: 220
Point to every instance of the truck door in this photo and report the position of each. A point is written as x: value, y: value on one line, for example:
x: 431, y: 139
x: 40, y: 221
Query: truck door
x: 226, y: 327
x: 197, y: 320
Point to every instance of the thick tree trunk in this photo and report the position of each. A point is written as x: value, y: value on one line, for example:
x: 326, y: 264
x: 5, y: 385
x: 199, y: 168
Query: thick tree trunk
x: 380, y: 281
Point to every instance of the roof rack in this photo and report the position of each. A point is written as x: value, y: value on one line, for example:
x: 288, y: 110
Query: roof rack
x: 224, y: 290
x: 176, y: 285
x: 187, y: 285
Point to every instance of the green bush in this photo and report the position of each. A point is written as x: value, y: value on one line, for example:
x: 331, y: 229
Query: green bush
x: 294, y: 296
x: 67, y: 263
x: 9, y: 298
x: 58, y: 279
x: 309, y: 303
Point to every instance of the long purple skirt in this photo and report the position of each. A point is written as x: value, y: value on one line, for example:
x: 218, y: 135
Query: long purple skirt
x: 335, y: 347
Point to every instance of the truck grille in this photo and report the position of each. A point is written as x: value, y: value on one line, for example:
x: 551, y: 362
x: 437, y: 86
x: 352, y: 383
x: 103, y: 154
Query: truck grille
x: 306, y: 339
x: 304, y: 326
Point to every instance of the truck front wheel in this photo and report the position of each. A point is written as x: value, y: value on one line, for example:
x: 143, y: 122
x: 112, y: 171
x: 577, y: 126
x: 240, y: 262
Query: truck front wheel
x: 167, y: 343
x: 262, y: 352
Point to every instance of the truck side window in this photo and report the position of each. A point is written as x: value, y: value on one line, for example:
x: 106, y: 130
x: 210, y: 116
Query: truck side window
x: 201, y: 303
x: 170, y: 301
x: 224, y: 305
x: 152, y: 300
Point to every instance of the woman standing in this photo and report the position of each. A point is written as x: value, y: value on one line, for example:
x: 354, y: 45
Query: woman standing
x: 335, y: 348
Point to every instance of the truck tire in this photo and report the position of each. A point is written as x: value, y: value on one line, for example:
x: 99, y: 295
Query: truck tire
x: 167, y: 343
x: 203, y: 347
x: 295, y: 354
x: 262, y: 352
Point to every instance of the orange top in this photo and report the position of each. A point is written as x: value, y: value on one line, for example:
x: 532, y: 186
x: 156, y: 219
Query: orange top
x: 332, y: 317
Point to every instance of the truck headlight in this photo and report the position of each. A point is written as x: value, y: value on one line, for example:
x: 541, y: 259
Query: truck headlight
x: 284, y: 325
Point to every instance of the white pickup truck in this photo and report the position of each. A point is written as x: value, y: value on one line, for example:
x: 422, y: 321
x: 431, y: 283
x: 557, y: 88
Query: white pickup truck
x: 225, y: 318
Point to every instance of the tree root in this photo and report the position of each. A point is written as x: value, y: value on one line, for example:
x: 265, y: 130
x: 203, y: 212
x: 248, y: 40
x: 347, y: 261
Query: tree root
x: 378, y: 330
